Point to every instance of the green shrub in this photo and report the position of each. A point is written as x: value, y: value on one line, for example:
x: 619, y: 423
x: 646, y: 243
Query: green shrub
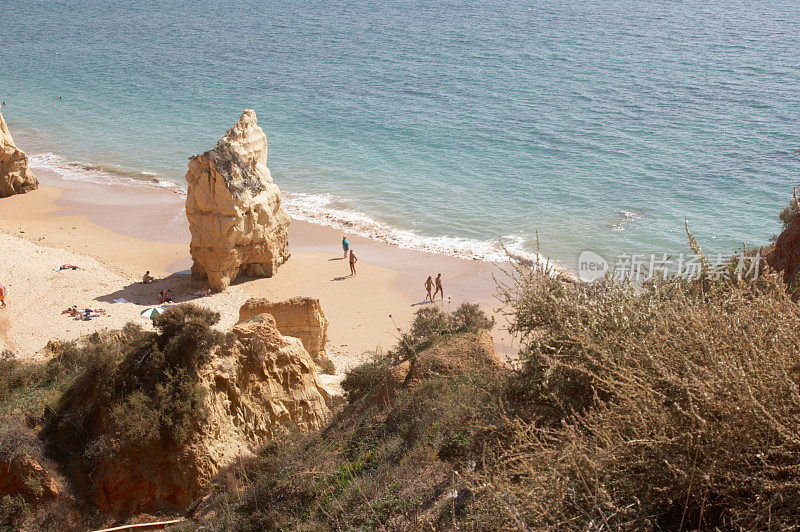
x: 431, y: 324
x: 135, y: 390
x: 365, y: 378
x: 468, y: 317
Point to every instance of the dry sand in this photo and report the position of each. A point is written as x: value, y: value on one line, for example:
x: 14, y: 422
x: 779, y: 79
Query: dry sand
x: 115, y: 233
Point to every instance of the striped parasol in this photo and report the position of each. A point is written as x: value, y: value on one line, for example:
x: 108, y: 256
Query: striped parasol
x: 152, y: 312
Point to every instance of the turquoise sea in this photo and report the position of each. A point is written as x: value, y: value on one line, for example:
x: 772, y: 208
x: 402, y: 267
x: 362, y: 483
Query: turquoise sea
x: 435, y: 125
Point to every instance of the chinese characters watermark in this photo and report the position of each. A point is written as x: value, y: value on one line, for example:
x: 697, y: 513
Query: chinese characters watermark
x: 643, y: 267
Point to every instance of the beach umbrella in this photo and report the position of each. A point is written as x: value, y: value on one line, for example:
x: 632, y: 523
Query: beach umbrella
x: 152, y: 312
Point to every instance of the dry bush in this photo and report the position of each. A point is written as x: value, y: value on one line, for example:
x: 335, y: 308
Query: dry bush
x: 376, y: 467
x: 673, y: 405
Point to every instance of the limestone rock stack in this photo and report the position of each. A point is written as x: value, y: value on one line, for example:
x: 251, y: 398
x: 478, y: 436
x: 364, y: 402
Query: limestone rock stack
x: 234, y: 208
x: 15, y: 176
x: 300, y: 317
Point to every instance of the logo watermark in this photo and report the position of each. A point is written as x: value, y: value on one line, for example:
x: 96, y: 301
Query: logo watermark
x: 591, y: 266
x: 643, y: 267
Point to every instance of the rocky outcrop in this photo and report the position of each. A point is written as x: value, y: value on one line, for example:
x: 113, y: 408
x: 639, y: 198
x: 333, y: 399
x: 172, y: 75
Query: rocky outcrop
x: 258, y: 385
x: 300, y: 317
x: 784, y: 254
x: 23, y: 474
x: 234, y: 209
x: 15, y: 176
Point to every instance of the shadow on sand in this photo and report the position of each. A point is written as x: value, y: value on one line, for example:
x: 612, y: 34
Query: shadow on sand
x: 181, y: 285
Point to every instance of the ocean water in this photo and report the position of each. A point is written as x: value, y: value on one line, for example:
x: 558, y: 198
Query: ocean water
x: 435, y: 125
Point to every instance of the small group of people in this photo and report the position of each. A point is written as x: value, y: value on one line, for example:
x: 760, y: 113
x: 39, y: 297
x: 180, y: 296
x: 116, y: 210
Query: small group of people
x: 83, y: 314
x: 353, y: 258
x: 165, y: 296
x: 430, y: 283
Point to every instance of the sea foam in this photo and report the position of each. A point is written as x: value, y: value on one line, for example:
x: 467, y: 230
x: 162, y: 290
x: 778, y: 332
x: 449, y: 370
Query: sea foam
x: 318, y: 209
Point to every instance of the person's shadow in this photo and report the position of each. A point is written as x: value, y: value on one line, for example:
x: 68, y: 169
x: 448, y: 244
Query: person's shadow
x: 337, y: 258
x: 342, y: 278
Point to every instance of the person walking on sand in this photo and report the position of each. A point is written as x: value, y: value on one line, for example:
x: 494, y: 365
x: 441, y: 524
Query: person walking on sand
x: 438, y: 287
x: 353, y: 260
x: 345, y: 245
x: 428, y: 288
x: 3, y: 292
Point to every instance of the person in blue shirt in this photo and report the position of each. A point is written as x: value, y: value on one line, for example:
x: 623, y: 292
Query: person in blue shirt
x: 345, y: 245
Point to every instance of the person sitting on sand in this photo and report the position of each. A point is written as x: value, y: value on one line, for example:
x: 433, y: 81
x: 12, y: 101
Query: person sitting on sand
x: 68, y: 267
x: 147, y: 278
x: 165, y: 296
x: 353, y: 260
x: 429, y: 287
x: 345, y: 245
x: 438, y: 287
x: 3, y: 291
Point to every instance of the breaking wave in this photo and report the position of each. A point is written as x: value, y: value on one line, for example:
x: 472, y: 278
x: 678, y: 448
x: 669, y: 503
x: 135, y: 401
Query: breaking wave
x: 320, y: 209
x: 101, y: 174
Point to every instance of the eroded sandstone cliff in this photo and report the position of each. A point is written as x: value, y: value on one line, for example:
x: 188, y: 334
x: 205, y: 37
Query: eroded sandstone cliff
x: 258, y: 385
x: 300, y: 317
x: 15, y: 176
x: 234, y: 208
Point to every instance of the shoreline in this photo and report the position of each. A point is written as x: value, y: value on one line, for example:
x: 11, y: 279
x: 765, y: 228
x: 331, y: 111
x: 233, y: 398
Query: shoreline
x: 302, y: 207
x: 128, y: 230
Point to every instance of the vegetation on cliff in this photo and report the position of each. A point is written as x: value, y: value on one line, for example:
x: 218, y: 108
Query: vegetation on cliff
x: 670, y: 405
x: 108, y: 395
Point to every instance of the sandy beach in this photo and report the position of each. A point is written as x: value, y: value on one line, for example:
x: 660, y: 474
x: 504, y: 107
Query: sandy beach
x: 115, y: 233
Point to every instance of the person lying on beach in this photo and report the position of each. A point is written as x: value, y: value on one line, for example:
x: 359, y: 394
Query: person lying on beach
x: 68, y: 267
x: 147, y: 278
x: 201, y: 293
x: 75, y: 311
x: 87, y: 315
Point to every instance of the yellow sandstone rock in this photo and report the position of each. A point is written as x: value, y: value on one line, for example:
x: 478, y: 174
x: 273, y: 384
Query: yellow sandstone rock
x: 234, y: 208
x: 15, y: 176
x: 258, y: 385
x: 300, y: 317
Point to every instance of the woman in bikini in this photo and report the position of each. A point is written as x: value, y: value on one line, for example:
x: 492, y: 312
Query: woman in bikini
x: 429, y: 287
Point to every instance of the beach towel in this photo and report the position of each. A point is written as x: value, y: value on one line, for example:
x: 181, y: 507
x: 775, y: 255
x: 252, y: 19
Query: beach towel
x: 121, y: 300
